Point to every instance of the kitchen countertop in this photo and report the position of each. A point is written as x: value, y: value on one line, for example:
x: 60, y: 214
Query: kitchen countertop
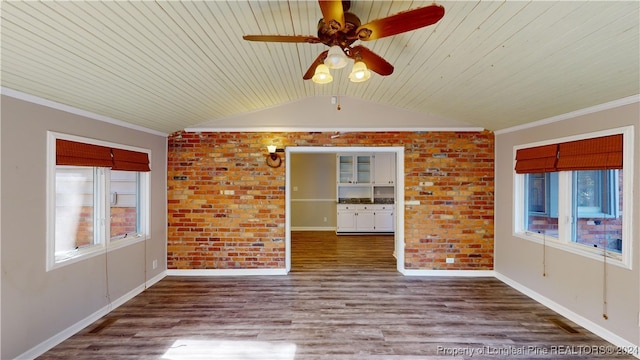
x: 365, y: 201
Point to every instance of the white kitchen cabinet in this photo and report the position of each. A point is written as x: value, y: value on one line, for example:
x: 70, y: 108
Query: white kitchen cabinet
x: 364, y: 218
x: 384, y: 167
x: 355, y: 218
x: 383, y: 219
x: 365, y: 192
x: 355, y: 169
x: 346, y: 219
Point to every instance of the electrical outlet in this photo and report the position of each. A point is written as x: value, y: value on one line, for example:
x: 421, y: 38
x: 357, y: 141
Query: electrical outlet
x: 154, y: 264
x: 450, y: 260
x: 325, y: 219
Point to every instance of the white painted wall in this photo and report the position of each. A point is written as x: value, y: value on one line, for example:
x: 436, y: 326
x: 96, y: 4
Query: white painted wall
x: 38, y: 307
x: 573, y: 284
x: 319, y: 114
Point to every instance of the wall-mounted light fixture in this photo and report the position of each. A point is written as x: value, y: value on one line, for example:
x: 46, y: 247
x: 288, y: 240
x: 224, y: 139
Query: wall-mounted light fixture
x: 273, y: 159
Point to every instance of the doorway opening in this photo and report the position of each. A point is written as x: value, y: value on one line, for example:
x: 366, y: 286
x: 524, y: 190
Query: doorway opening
x: 398, y: 236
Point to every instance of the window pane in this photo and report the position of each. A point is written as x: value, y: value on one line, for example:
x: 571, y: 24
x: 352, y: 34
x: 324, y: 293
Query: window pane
x: 537, y: 193
x: 542, y: 203
x: 588, y: 185
x: 598, y: 204
x: 124, y: 203
x: 74, y: 226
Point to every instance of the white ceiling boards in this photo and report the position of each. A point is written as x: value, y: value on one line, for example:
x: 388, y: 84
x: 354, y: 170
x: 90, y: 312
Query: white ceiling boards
x: 170, y: 65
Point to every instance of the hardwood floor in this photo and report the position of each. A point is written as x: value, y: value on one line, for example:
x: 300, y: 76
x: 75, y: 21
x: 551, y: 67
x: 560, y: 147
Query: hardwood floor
x: 323, y: 251
x: 342, y: 300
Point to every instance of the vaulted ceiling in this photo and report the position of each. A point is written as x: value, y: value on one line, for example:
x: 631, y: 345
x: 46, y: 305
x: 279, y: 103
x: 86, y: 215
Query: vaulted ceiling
x: 167, y: 65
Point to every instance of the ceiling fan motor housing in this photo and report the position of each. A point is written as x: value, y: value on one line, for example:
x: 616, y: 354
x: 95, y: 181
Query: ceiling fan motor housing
x: 330, y: 35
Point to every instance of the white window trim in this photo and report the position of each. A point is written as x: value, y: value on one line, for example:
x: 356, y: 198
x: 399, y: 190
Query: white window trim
x: 563, y: 241
x: 105, y: 243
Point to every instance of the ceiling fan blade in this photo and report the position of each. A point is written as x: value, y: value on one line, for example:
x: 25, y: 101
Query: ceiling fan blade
x: 373, y: 61
x: 283, y: 38
x: 333, y: 14
x: 400, y: 22
x: 312, y: 69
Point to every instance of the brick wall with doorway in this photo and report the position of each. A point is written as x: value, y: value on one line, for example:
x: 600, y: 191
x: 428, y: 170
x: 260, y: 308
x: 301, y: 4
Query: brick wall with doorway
x: 227, y: 207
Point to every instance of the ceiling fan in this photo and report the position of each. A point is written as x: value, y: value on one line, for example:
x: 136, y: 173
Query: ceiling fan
x: 339, y: 29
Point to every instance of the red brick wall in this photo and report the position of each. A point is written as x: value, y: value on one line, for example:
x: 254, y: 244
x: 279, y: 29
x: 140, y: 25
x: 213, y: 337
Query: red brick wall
x: 123, y: 220
x: 590, y: 231
x: 227, y: 207
x: 84, y: 231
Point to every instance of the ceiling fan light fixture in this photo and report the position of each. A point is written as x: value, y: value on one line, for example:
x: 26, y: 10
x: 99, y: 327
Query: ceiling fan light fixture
x: 336, y: 58
x: 359, y: 73
x: 322, y: 75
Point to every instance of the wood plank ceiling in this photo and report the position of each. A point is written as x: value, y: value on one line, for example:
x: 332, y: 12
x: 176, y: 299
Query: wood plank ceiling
x: 168, y: 65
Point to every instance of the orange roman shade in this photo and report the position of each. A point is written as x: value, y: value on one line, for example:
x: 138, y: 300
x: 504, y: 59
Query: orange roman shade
x: 537, y: 159
x: 80, y: 154
x: 601, y: 153
x: 130, y: 160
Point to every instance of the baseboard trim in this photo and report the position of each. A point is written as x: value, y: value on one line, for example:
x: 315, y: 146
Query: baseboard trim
x: 63, y: 335
x: 155, y: 279
x: 227, y: 272
x: 575, y: 317
x: 461, y: 273
x: 313, y: 228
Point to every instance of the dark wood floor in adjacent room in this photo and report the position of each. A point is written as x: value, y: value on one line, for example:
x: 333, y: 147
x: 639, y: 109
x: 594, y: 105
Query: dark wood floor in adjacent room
x: 342, y: 300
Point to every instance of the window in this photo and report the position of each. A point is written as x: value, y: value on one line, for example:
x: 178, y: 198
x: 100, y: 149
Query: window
x: 124, y: 204
x: 98, y: 198
x: 596, y: 202
x: 541, y: 203
x: 596, y: 193
x: 76, y: 219
x: 577, y: 203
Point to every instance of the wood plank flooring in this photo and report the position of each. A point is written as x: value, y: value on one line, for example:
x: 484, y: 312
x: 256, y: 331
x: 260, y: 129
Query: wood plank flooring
x: 322, y: 251
x: 342, y: 300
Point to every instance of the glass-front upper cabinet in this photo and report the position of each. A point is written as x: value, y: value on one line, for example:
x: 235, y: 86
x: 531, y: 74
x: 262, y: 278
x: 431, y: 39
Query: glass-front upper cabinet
x: 345, y: 169
x: 363, y: 169
x: 354, y: 169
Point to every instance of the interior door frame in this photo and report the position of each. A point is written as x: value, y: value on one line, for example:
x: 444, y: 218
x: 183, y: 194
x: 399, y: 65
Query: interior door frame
x: 399, y: 192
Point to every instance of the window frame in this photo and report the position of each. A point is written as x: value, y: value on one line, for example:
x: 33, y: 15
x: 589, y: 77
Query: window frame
x: 564, y: 241
x: 103, y: 242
